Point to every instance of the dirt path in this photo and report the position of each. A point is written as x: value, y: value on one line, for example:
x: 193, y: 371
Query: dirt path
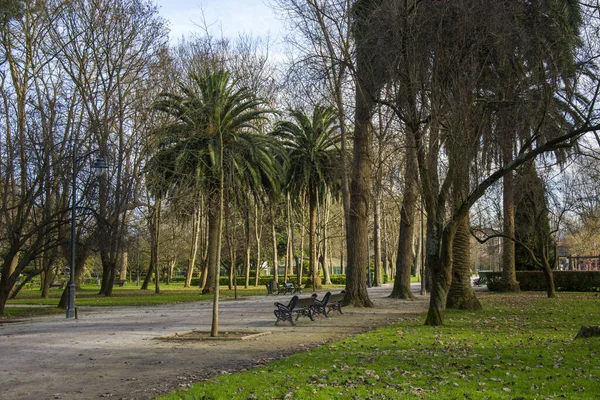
x: 113, y: 352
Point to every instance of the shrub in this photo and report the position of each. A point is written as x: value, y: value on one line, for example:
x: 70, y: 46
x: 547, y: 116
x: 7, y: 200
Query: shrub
x: 263, y: 280
x: 564, y: 281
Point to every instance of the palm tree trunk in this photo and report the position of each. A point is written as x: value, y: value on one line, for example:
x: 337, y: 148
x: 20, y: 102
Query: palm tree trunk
x: 461, y: 294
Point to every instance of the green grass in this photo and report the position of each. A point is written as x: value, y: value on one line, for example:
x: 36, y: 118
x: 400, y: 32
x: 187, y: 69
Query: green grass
x: 129, y: 295
x: 520, y: 347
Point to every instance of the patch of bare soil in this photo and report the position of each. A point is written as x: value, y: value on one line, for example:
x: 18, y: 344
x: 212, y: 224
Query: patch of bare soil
x: 113, y: 352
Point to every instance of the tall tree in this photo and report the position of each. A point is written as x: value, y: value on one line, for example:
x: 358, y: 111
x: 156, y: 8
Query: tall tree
x: 311, y: 142
x: 211, y: 107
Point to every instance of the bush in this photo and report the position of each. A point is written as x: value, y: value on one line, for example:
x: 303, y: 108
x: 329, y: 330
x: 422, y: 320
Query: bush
x: 564, y: 281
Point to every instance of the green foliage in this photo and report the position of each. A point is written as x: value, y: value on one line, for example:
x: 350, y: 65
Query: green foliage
x: 564, y: 281
x: 530, y: 355
x: 312, y: 144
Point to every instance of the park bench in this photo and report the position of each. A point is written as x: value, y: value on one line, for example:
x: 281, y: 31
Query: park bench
x: 283, y: 312
x: 58, y: 285
x: 119, y: 283
x: 272, y: 287
x: 303, y: 307
x: 335, y: 302
x: 289, y: 287
x: 320, y: 306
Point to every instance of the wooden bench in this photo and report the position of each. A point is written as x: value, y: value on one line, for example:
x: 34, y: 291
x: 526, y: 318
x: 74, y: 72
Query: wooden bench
x: 289, y: 287
x: 303, y: 307
x: 335, y: 302
x: 283, y: 312
x: 320, y: 306
x: 58, y: 285
x: 119, y: 283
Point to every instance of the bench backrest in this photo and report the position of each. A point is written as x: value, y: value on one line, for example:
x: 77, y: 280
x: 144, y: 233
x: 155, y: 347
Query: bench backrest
x: 305, y: 301
x: 336, y: 298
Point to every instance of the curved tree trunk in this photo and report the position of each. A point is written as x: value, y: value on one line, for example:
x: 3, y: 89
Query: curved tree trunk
x: 439, y: 256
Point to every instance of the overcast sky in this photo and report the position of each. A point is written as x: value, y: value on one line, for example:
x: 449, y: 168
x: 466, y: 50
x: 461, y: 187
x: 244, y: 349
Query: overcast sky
x: 232, y: 17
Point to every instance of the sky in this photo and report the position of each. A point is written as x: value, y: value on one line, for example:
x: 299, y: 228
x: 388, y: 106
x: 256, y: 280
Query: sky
x: 231, y: 17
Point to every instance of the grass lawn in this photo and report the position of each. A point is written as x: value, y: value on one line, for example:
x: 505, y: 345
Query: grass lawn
x: 128, y: 295
x: 520, y: 347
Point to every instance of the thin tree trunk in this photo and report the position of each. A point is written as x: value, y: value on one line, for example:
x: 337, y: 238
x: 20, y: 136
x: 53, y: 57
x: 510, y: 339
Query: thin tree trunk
x: 124, y: 265
x: 315, y: 278
x: 274, y: 243
x: 258, y: 236
x: 196, y: 224
x: 213, y: 240
x: 247, y: 248
x: 326, y: 274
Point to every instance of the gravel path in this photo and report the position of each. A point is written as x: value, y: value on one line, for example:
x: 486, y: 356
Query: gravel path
x: 113, y: 352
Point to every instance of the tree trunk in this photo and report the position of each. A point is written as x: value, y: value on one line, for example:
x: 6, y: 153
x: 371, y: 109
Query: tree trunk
x: 274, y: 243
x: 124, y: 265
x: 509, y: 276
x: 549, y: 277
x: 258, y: 237
x: 404, y: 257
x: 377, y: 281
x: 439, y: 256
x: 247, y: 247
x: 196, y: 223
x: 358, y: 226
x: 155, y: 245
x: 315, y: 279
x: 213, y: 240
x: 326, y: 265
x: 461, y: 294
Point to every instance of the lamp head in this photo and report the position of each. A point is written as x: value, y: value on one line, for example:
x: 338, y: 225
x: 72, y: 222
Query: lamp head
x: 100, y: 165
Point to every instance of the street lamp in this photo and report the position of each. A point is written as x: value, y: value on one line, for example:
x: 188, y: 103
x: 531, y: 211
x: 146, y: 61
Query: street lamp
x: 99, y: 164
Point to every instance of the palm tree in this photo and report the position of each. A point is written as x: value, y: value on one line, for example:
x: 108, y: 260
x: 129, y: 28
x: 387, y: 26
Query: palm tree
x: 215, y: 126
x: 314, y: 159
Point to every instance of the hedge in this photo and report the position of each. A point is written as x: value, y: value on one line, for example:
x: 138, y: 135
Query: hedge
x: 564, y: 281
x: 263, y: 280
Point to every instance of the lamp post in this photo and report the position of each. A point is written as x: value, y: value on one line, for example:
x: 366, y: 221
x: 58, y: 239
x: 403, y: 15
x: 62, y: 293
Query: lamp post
x: 99, y: 164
